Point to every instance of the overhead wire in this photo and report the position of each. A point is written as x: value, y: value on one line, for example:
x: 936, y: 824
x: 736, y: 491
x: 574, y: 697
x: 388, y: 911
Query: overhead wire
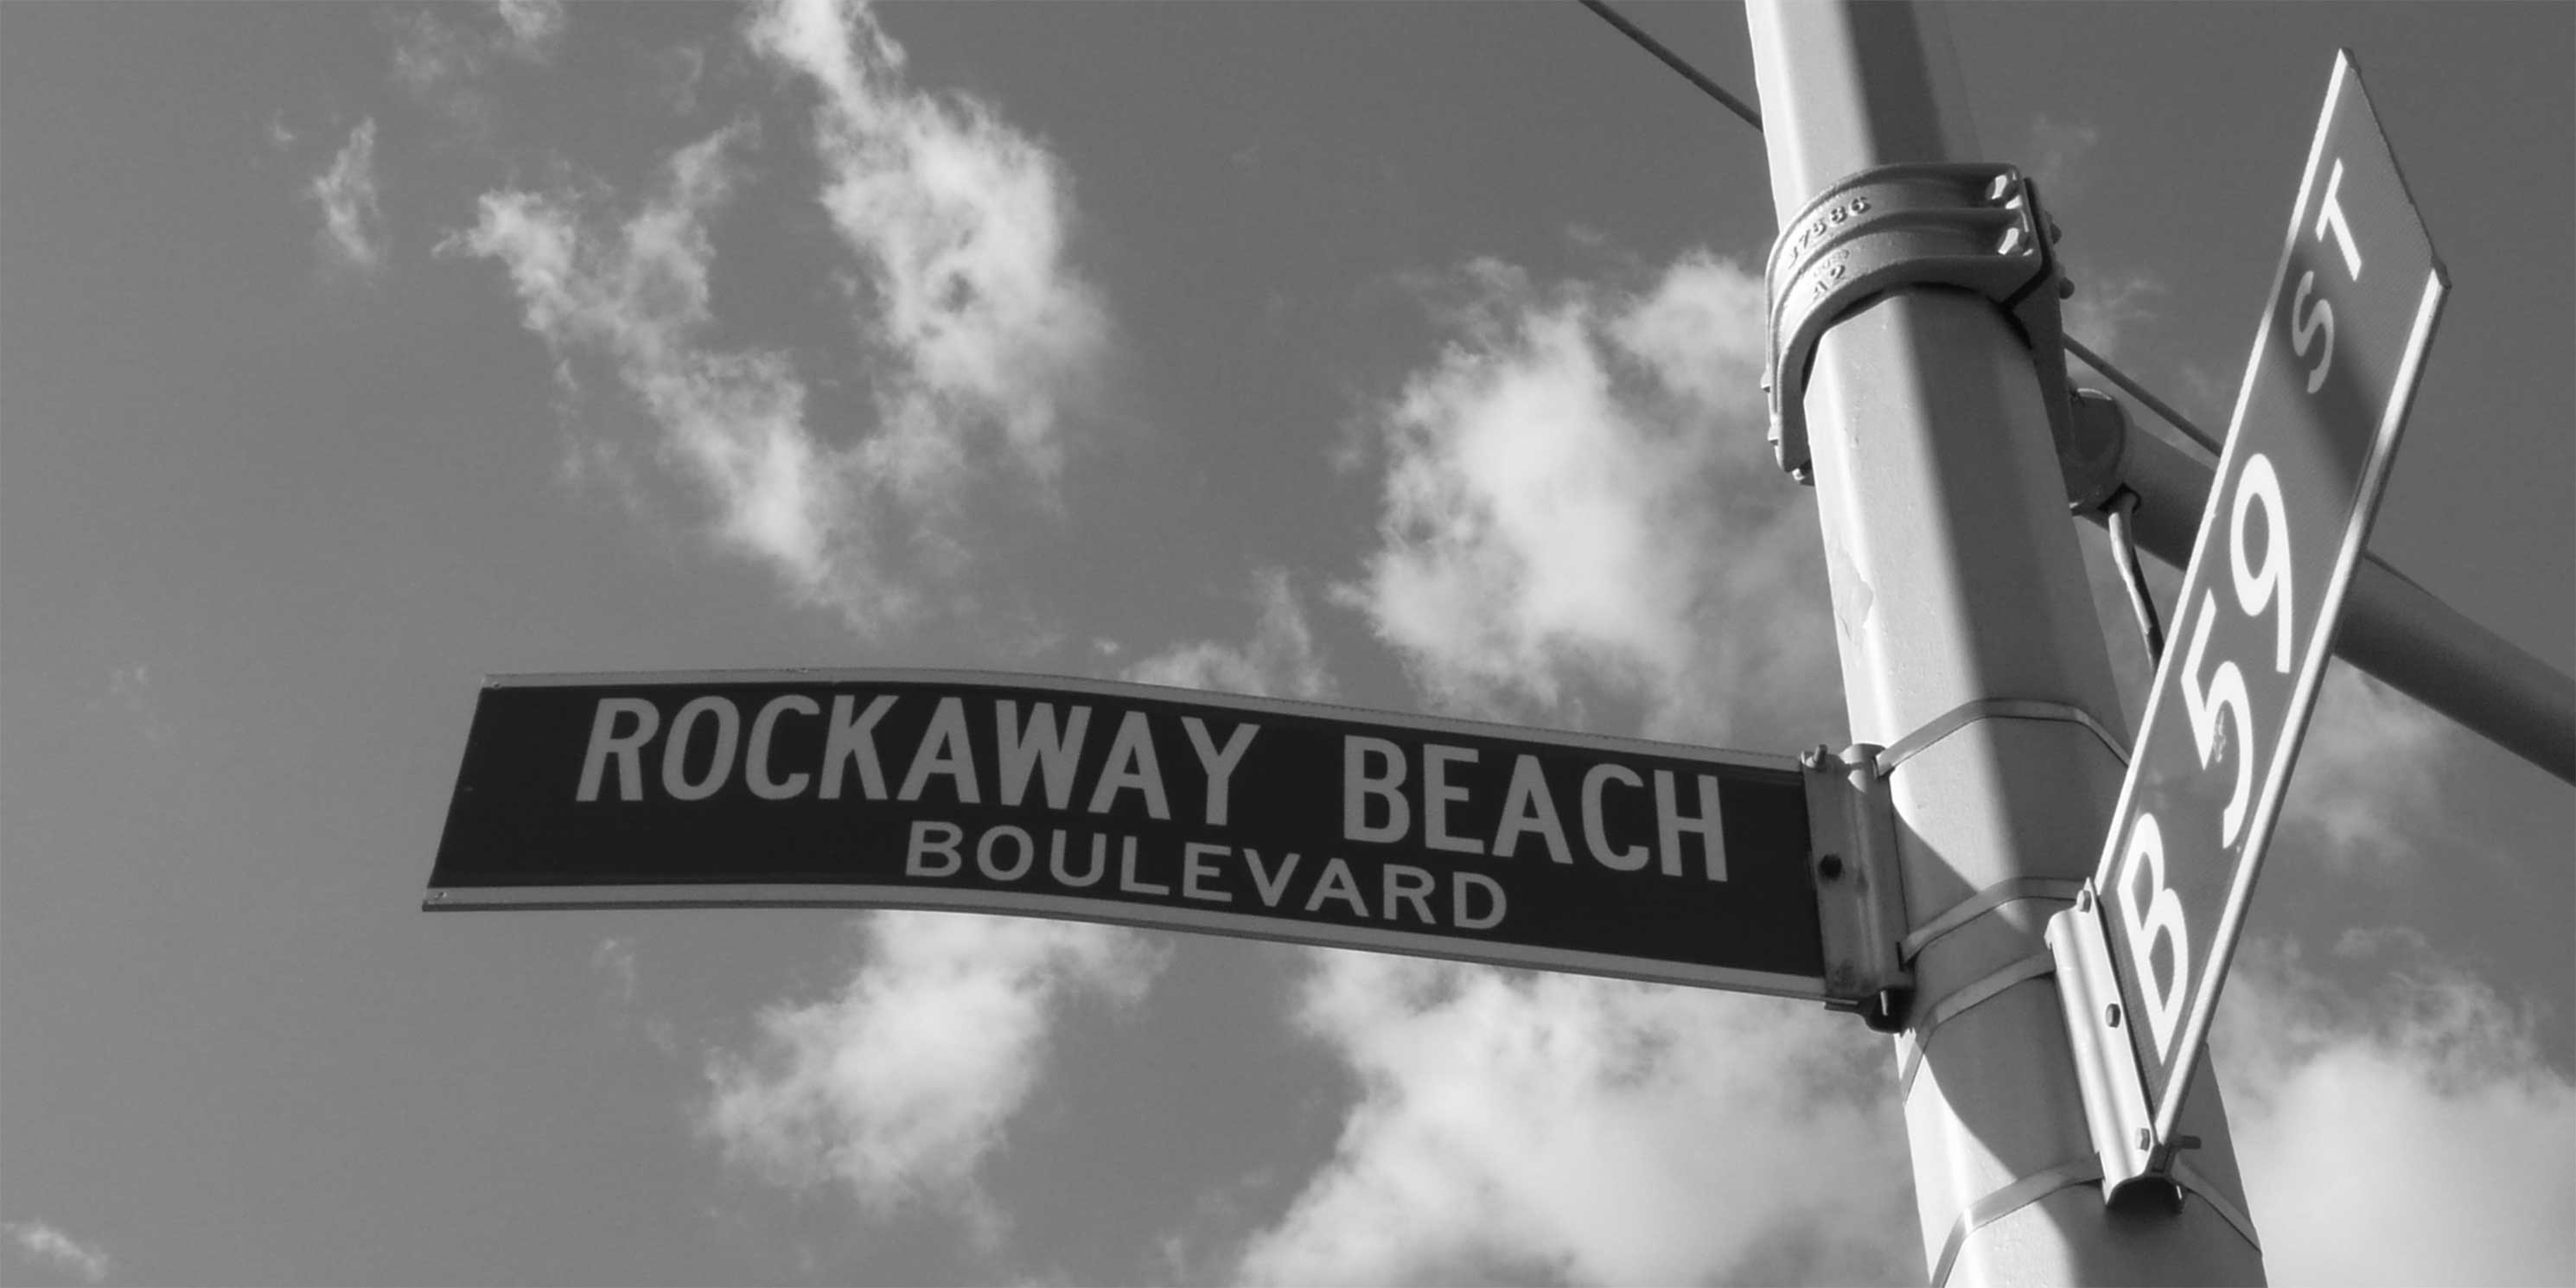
x: 1676, y: 62
x: 2130, y: 387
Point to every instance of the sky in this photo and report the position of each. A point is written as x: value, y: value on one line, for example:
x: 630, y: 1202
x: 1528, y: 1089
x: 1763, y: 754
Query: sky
x: 1401, y: 355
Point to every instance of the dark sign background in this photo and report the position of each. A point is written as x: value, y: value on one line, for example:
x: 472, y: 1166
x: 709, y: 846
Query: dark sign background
x: 515, y: 829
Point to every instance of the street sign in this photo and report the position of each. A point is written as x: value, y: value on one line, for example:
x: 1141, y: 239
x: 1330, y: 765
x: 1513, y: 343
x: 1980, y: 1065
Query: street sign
x: 1137, y: 805
x: 2336, y: 356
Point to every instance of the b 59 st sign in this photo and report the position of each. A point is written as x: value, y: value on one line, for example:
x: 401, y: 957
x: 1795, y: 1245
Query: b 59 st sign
x: 1134, y: 804
x: 2335, y: 362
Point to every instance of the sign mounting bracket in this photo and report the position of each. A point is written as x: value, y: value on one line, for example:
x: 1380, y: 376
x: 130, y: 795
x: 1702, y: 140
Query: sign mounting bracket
x: 2134, y: 1161
x: 1860, y: 896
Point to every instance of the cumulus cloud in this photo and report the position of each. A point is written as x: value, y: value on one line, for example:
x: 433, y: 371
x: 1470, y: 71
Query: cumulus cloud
x: 1516, y: 1125
x: 533, y: 26
x: 1280, y: 659
x: 41, y: 1242
x: 614, y: 958
x: 442, y: 67
x: 902, y: 1084
x: 733, y: 422
x: 353, y: 223
x: 2367, y: 777
x: 449, y: 58
x: 2060, y: 153
x: 959, y: 223
x: 1577, y: 504
x: 2106, y: 309
x: 975, y: 341
x: 2404, y: 1132
x: 131, y: 688
x: 1576, y: 499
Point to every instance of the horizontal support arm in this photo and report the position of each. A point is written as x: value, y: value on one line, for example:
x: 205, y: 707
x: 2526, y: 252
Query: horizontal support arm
x: 2392, y: 628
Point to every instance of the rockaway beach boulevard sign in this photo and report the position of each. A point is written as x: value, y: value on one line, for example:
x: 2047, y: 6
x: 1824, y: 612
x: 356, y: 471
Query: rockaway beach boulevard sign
x: 1145, y: 806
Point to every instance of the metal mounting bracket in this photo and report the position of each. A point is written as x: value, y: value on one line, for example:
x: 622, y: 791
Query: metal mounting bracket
x: 1976, y: 226
x: 2092, y: 441
x: 2135, y: 1164
x: 1860, y: 896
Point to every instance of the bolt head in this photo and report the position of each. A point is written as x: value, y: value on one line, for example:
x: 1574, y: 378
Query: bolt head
x: 2012, y: 242
x: 2111, y: 1015
x: 2065, y: 289
x: 2002, y: 187
x: 1830, y: 867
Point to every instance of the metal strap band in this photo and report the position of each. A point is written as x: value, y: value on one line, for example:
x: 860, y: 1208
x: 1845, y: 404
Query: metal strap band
x: 2039, y: 1185
x: 1965, y: 998
x: 2008, y: 1200
x: 2058, y: 889
x: 2191, y: 1180
x: 1968, y: 713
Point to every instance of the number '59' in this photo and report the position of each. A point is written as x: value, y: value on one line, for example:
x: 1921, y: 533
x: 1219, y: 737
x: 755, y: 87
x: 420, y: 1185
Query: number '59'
x: 2261, y: 586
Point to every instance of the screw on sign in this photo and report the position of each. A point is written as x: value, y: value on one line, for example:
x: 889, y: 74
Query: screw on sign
x: 2336, y: 357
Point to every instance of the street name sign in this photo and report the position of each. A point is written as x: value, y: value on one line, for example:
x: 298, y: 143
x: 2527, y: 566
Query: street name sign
x: 1137, y: 805
x: 2336, y: 356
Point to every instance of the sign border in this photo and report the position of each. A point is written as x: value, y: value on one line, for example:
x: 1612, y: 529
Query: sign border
x: 1172, y: 917
x: 1139, y: 690
x: 1179, y: 917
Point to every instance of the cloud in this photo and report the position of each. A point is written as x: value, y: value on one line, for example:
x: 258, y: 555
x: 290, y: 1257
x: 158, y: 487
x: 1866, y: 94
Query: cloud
x: 534, y: 27
x: 2406, y: 1131
x: 446, y: 57
x: 41, y: 1242
x: 1576, y: 498
x: 2060, y: 153
x: 959, y: 224
x: 1280, y: 660
x: 131, y: 688
x: 2365, y: 777
x: 733, y: 422
x: 674, y: 75
x: 442, y: 66
x: 1515, y: 1126
x: 2104, y: 311
x: 353, y: 223
x: 901, y: 1085
x: 977, y: 338
x: 615, y: 958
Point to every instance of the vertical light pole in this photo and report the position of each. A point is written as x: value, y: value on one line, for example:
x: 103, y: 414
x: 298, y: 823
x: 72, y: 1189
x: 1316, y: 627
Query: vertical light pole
x: 1959, y: 597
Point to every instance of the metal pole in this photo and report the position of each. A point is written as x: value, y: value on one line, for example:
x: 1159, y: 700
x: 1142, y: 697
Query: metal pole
x: 1957, y: 582
x: 2392, y: 628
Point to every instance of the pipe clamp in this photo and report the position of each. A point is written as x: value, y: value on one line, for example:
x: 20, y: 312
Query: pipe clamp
x: 1976, y: 226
